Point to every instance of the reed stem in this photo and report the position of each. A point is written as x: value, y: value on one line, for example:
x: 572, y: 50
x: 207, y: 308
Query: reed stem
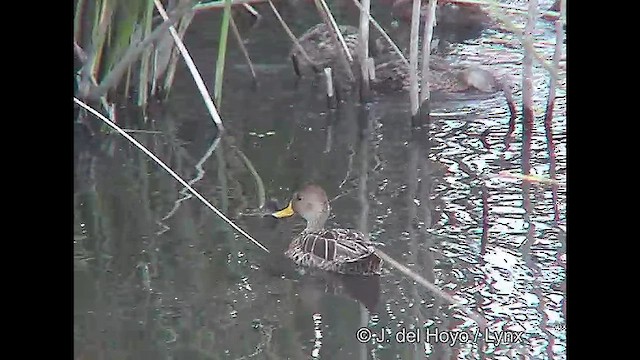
x: 194, y: 71
x: 413, y: 58
x: 336, y: 36
x: 291, y: 36
x: 429, y: 23
x: 168, y: 169
x: 384, y: 34
x: 364, y: 48
x: 222, y: 52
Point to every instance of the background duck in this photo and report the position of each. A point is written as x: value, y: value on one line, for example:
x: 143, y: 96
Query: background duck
x: 392, y: 74
x: 343, y: 251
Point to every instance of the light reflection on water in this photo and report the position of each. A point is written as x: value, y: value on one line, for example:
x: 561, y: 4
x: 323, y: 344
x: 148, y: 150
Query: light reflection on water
x: 201, y: 291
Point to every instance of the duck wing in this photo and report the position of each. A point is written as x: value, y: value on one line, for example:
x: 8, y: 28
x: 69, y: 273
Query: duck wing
x: 332, y: 249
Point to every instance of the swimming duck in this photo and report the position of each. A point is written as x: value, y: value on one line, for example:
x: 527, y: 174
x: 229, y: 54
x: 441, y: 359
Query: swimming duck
x: 343, y: 251
x: 391, y: 72
x: 443, y: 77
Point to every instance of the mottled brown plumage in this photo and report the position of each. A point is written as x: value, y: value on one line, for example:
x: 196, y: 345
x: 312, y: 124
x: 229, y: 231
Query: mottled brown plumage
x: 391, y: 72
x: 344, y: 251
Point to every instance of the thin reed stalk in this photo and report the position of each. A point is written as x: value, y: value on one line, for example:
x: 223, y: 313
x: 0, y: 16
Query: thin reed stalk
x: 364, y: 48
x: 243, y: 48
x: 413, y: 58
x: 127, y: 83
x: 429, y: 23
x: 143, y: 85
x: 222, y: 52
x: 83, y: 59
x: 192, y: 68
x: 557, y: 55
x: 384, y: 34
x: 100, y: 33
x: 291, y: 36
x: 324, y: 9
x: 168, y: 169
x: 527, y: 88
x: 336, y: 36
x: 331, y: 95
x: 252, y: 11
x: 548, y: 118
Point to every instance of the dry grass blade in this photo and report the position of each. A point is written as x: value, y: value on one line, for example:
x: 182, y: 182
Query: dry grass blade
x: 192, y: 68
x: 168, y: 169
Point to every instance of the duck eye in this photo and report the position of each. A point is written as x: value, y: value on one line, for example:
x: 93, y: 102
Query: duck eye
x: 299, y: 198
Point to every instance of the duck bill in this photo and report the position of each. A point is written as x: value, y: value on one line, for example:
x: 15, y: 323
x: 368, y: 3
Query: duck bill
x: 286, y: 212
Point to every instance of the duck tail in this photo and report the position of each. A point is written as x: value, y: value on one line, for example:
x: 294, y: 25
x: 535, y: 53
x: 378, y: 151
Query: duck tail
x: 369, y: 265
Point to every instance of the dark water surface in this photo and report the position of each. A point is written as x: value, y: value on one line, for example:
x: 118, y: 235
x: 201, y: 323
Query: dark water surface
x: 159, y: 278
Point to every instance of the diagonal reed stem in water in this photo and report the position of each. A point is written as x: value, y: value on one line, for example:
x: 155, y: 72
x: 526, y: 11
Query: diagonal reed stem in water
x: 336, y: 36
x: 194, y: 71
x: 168, y: 169
x: 325, y: 10
x: 291, y: 35
x: 479, y: 319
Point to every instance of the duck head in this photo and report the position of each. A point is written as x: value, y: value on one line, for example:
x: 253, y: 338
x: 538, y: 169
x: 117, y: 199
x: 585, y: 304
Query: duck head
x: 311, y: 203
